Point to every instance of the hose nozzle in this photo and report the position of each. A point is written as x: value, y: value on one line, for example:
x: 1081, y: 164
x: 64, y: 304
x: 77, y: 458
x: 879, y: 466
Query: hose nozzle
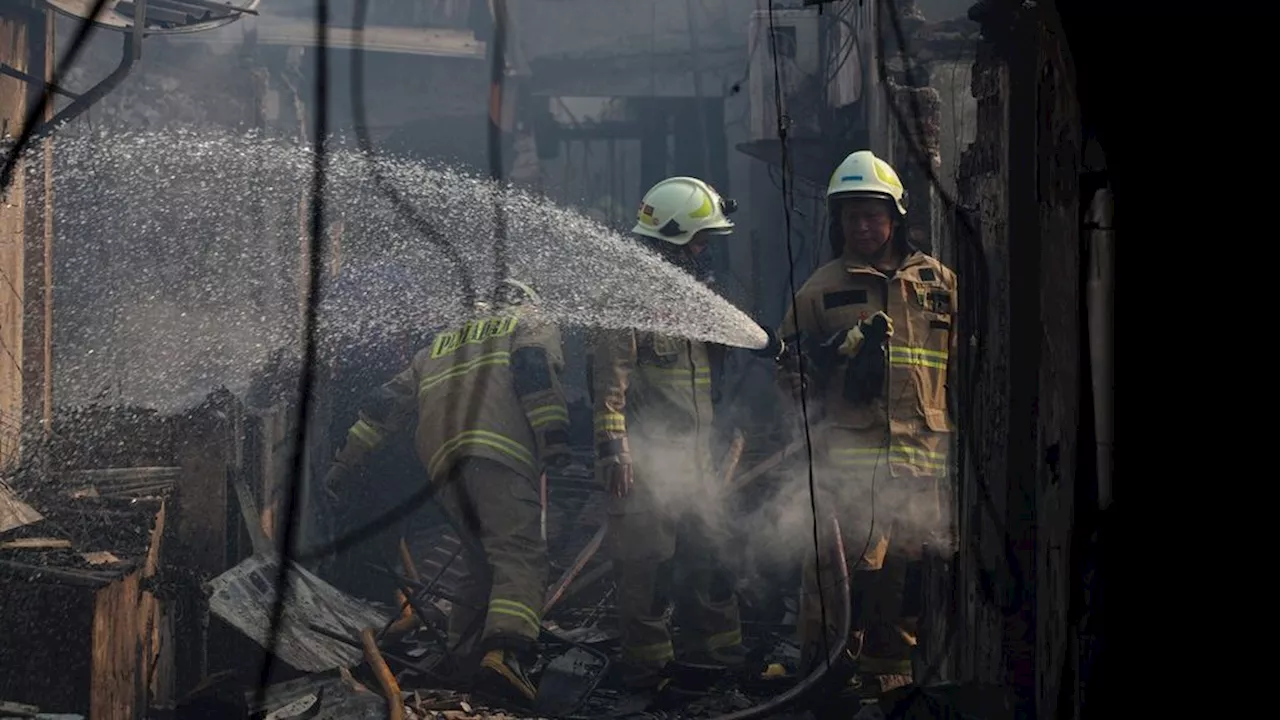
x: 772, y: 349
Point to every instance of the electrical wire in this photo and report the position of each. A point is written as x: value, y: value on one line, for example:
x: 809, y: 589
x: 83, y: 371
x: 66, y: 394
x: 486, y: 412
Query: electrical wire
x: 497, y: 103
x: 359, y: 14
x: 83, y: 32
x: 786, y: 203
x: 922, y: 157
x: 781, y: 120
x: 424, y: 494
x: 315, y: 264
x: 977, y: 319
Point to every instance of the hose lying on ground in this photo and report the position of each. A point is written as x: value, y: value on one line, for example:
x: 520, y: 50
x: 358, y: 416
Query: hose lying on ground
x: 387, y: 681
x: 837, y: 650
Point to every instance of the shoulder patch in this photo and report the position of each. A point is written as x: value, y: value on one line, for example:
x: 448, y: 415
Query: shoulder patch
x: 928, y: 275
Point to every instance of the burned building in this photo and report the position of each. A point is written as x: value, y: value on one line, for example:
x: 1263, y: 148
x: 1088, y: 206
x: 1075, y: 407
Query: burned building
x: 155, y: 531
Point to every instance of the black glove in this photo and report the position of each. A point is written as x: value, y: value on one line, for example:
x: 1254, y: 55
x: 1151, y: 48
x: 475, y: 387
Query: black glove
x: 333, y: 484
x: 614, y: 465
x: 868, y: 364
x: 616, y: 473
x: 553, y: 447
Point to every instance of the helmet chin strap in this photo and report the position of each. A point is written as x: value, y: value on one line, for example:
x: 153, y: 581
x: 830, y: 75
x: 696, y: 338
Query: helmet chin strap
x: 699, y: 265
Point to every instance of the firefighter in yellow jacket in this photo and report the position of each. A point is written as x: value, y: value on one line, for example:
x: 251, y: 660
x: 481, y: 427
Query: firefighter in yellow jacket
x: 653, y: 415
x: 490, y: 416
x: 880, y: 326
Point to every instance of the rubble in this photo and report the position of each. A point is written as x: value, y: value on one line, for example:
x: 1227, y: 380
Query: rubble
x: 243, y: 597
x: 97, y: 526
x: 91, y: 563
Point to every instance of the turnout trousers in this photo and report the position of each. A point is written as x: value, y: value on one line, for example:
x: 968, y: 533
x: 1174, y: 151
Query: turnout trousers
x: 499, y: 512
x: 879, y: 551
x: 664, y: 557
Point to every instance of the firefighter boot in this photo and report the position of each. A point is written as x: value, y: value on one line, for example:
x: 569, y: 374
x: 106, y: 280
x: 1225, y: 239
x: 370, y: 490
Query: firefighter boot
x: 502, y: 676
x: 733, y: 657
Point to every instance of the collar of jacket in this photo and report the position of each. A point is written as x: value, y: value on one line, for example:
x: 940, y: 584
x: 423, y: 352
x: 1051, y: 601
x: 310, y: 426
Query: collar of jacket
x: 913, y: 259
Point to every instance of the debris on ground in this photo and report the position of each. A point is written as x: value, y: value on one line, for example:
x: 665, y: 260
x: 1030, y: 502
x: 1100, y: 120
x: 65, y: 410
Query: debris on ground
x: 20, y: 711
x: 243, y: 597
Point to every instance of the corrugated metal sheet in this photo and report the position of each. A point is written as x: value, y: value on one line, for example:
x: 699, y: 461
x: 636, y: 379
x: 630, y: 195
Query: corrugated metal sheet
x: 243, y: 597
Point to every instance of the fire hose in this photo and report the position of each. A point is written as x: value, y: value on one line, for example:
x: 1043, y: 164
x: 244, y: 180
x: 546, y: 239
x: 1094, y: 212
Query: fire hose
x: 795, y: 693
x: 819, y: 673
x: 386, y: 680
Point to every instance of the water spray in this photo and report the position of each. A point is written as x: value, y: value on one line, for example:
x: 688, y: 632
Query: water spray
x: 165, y: 295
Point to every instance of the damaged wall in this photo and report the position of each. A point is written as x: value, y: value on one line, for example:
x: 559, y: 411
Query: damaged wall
x: 1018, y: 182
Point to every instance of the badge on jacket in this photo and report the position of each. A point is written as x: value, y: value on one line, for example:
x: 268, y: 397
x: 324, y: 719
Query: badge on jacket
x: 940, y: 302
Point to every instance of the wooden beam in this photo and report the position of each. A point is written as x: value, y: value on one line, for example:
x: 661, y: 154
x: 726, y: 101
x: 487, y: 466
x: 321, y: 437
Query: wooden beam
x: 290, y: 32
x: 14, y: 52
x: 37, y: 357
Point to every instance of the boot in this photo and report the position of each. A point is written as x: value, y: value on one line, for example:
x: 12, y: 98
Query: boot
x: 733, y: 657
x: 868, y: 688
x: 502, y: 676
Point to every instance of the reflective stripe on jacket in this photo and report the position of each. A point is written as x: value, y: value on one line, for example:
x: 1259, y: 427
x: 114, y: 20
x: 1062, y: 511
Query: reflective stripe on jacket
x: 461, y: 392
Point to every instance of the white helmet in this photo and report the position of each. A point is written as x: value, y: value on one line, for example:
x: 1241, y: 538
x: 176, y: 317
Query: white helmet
x: 508, y: 295
x: 678, y: 208
x: 864, y: 174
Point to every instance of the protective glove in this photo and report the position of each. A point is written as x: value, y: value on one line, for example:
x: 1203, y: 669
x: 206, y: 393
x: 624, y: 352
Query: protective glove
x: 615, y: 470
x: 854, y: 338
x: 333, y: 483
x: 553, y: 447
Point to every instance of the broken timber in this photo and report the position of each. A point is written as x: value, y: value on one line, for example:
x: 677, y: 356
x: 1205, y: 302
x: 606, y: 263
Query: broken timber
x: 89, y: 641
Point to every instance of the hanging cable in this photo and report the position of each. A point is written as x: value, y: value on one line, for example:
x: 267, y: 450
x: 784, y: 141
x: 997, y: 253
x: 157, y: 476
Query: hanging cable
x: 29, y: 123
x: 424, y: 494
x: 976, y: 318
x: 782, y: 120
x: 497, y: 105
x: 315, y: 263
x: 360, y: 123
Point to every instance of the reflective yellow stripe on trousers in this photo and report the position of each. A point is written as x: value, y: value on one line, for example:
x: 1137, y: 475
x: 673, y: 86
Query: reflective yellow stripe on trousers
x: 517, y: 610
x: 656, y: 653
x: 881, y: 457
x: 723, y: 640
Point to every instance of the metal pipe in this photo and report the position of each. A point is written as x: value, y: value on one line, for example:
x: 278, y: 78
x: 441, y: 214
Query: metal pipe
x: 88, y: 98
x: 557, y: 591
x: 542, y: 500
x: 1100, y: 302
x: 837, y: 650
x: 33, y: 80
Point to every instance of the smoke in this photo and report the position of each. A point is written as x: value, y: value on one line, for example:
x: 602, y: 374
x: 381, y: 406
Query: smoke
x: 771, y: 526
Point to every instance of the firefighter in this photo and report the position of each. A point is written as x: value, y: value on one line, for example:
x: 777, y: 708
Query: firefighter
x: 653, y: 427
x: 490, y: 417
x: 878, y: 324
